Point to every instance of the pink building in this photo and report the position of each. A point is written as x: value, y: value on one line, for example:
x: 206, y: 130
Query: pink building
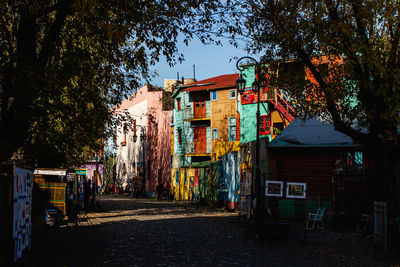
x: 143, y: 140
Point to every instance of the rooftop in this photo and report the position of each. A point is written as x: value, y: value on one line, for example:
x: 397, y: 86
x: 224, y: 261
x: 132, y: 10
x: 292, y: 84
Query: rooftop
x: 313, y: 132
x: 218, y: 82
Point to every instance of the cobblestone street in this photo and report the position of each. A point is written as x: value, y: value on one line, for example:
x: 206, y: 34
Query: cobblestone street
x: 146, y: 232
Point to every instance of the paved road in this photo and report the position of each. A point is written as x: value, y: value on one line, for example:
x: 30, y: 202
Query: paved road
x: 142, y: 232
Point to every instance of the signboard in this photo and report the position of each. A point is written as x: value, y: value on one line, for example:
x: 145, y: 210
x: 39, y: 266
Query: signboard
x: 80, y: 172
x: 50, y: 172
x: 295, y: 190
x: 274, y: 188
x: 250, y: 97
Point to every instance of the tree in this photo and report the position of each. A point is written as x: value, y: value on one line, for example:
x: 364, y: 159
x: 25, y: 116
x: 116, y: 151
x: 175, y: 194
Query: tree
x: 362, y: 37
x: 64, y: 63
x: 109, y: 173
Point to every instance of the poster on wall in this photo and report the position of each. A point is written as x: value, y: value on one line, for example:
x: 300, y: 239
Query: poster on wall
x: 295, y: 190
x: 274, y: 188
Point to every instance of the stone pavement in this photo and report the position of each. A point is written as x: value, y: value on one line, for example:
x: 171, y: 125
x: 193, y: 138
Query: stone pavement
x: 146, y: 232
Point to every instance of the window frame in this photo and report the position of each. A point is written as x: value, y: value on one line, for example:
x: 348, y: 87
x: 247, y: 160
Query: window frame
x: 214, y: 93
x: 125, y: 131
x: 179, y: 136
x: 232, y: 129
x: 214, y: 130
x: 232, y: 97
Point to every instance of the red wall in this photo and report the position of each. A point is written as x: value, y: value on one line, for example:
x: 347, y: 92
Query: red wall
x: 315, y: 166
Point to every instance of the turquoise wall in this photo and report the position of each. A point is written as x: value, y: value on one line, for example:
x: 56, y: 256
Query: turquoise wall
x: 187, y: 131
x: 248, y: 120
x: 249, y: 75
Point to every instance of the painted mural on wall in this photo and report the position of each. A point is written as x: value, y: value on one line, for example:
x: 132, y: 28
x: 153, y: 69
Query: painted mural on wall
x: 22, y: 223
x: 90, y: 169
x: 230, y: 183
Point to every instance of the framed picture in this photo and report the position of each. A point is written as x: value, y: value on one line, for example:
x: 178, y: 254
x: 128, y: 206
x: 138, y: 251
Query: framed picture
x: 295, y: 190
x: 274, y: 188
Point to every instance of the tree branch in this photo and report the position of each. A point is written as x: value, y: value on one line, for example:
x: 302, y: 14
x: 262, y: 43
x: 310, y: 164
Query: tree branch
x: 53, y: 36
x: 330, y: 103
x: 361, y: 30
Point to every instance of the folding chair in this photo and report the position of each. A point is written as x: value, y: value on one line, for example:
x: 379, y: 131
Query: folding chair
x: 362, y: 226
x: 316, y: 219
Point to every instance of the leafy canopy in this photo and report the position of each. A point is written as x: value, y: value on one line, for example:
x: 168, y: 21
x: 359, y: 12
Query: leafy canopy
x: 359, y: 40
x: 64, y: 63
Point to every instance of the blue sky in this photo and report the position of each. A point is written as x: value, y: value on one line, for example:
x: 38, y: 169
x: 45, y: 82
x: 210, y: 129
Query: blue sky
x: 210, y: 61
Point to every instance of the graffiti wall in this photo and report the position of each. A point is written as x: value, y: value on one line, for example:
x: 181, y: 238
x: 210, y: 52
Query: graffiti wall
x: 22, y: 223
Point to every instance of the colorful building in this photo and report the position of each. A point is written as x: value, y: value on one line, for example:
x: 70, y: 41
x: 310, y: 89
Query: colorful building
x: 204, y: 130
x: 89, y: 170
x: 143, y: 139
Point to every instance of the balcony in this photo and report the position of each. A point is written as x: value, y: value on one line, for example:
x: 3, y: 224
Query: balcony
x: 190, y: 115
x: 192, y: 149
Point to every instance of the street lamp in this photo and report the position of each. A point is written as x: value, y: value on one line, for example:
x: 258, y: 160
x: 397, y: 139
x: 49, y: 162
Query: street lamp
x: 142, y: 138
x: 259, y: 82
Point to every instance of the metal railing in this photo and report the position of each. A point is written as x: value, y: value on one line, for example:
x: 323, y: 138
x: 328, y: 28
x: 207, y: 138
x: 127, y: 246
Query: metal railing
x: 189, y: 114
x: 190, y: 148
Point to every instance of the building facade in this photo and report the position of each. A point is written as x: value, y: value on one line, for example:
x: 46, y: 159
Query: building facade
x: 143, y: 139
x: 204, y: 130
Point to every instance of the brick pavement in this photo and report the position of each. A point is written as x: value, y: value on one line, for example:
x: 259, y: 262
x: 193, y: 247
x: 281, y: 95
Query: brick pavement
x: 145, y: 232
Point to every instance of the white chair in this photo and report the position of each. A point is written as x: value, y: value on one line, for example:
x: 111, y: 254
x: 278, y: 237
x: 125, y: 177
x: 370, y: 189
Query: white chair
x: 316, y: 219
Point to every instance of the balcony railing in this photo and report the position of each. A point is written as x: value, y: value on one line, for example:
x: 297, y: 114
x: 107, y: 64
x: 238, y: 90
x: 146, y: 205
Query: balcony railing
x: 191, y: 149
x: 189, y: 114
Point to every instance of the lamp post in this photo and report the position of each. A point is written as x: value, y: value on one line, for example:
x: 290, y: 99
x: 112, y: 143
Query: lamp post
x: 258, y: 183
x: 142, y: 137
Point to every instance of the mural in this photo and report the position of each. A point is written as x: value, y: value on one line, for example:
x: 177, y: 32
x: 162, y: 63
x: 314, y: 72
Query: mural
x: 22, y: 223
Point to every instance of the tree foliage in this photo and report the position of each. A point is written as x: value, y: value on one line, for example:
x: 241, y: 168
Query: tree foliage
x: 360, y: 41
x: 64, y: 63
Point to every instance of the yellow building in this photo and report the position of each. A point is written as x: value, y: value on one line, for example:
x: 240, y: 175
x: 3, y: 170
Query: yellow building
x: 224, y: 118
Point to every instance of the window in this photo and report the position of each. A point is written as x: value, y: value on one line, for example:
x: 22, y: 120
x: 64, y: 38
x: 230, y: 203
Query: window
x: 125, y: 132
x: 214, y: 134
x: 232, y: 94
x: 178, y: 104
x: 232, y: 129
x: 179, y: 136
x: 265, y: 125
x: 134, y: 127
x: 214, y: 96
x: 124, y: 169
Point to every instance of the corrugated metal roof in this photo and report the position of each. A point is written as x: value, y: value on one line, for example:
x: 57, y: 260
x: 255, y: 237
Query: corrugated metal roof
x: 218, y: 82
x: 312, y: 132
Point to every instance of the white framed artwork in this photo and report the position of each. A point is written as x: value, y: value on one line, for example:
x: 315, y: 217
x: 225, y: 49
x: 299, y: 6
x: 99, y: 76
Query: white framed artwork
x: 296, y: 190
x: 274, y: 188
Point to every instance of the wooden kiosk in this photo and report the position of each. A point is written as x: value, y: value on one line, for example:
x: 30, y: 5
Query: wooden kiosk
x: 51, y: 186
